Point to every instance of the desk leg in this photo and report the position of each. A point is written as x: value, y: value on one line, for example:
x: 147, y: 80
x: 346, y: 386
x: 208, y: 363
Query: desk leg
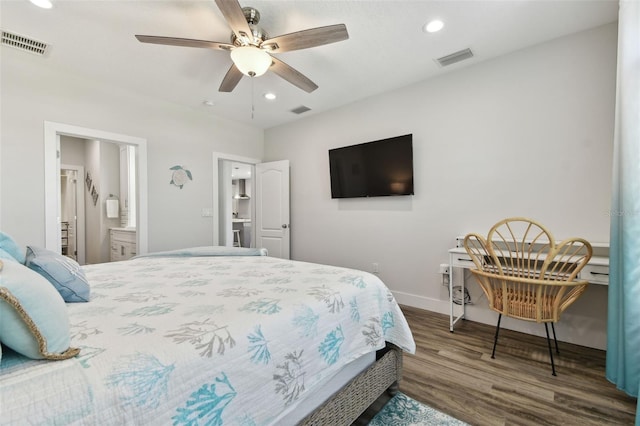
x: 452, y: 318
x: 451, y: 292
x: 464, y: 305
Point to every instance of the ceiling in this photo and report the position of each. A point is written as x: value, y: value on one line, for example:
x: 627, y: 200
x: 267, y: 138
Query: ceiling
x: 387, y: 48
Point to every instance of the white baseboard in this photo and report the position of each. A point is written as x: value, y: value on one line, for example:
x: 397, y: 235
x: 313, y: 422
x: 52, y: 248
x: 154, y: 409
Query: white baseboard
x: 570, y: 329
x: 426, y: 303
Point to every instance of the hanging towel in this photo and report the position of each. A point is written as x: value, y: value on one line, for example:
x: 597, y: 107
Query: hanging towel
x: 112, y: 209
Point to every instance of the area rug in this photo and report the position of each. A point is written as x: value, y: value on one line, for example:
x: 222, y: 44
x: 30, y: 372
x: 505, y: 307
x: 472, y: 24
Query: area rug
x: 402, y: 410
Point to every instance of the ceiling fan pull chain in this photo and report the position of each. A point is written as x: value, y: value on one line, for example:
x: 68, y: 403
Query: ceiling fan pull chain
x: 252, y: 98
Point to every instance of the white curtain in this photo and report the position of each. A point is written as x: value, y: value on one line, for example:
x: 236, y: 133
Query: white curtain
x: 623, y: 327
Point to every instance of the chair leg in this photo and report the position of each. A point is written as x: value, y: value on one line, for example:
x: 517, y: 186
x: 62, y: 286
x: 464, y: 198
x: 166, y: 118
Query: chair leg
x: 553, y: 366
x: 554, y: 338
x: 495, y: 340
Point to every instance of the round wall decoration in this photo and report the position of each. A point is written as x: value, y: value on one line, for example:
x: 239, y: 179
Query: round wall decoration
x: 180, y: 176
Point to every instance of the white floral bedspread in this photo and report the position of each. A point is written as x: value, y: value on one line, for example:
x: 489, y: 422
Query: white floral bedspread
x: 203, y: 341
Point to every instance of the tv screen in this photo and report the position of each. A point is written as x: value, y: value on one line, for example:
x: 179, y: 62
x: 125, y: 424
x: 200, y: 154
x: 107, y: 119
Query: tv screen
x: 372, y: 169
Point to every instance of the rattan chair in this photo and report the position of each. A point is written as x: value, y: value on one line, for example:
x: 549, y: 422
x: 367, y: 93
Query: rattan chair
x: 526, y: 275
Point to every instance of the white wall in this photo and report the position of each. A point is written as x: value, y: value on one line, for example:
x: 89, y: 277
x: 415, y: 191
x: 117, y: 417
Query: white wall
x: 32, y: 92
x: 527, y: 134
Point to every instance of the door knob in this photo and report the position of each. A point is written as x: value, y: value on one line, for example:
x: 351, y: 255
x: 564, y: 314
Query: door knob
x: 285, y: 226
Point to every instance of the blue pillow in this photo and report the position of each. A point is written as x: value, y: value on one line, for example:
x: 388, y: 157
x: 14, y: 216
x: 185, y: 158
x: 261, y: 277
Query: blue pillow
x: 9, y: 245
x: 34, y: 319
x: 64, y: 273
x: 4, y: 255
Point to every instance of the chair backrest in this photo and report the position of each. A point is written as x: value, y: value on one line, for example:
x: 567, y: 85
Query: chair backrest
x: 519, y: 247
x: 520, y: 266
x: 527, y: 249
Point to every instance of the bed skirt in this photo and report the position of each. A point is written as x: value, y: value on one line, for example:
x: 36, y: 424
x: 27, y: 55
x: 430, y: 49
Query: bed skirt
x: 345, y: 406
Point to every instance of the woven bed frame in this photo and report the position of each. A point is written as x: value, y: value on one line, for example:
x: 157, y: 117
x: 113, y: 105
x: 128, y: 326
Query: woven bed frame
x: 345, y: 406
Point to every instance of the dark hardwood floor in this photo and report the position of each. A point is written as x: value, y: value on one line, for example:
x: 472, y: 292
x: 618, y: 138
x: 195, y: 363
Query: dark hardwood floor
x: 454, y: 373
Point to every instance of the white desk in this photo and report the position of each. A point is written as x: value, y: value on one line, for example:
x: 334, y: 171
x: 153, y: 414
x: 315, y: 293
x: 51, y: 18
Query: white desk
x: 596, y: 272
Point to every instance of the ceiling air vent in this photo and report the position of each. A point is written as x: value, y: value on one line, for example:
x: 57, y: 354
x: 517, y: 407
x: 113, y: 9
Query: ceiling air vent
x: 23, y: 43
x: 300, y: 109
x: 458, y: 56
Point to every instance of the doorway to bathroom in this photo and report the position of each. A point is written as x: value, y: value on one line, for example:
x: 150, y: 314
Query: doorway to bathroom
x: 105, y: 172
x: 97, y: 195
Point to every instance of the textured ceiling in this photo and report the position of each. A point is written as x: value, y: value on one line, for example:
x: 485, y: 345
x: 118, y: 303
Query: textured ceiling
x: 387, y: 48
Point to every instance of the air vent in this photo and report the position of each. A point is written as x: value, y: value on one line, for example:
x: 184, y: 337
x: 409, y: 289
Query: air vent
x: 455, y: 57
x: 23, y: 43
x: 300, y: 109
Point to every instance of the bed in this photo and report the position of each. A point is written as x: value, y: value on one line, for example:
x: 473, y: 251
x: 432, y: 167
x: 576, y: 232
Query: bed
x: 218, y: 337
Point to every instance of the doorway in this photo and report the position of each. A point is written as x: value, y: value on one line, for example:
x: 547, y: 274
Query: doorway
x: 52, y: 133
x: 243, y: 209
x: 223, y: 197
x: 106, y: 172
x: 270, y: 204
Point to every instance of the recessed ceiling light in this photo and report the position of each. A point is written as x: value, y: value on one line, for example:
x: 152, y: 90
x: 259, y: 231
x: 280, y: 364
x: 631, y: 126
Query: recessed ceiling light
x: 270, y: 96
x: 45, y: 4
x: 433, y: 26
x: 208, y: 103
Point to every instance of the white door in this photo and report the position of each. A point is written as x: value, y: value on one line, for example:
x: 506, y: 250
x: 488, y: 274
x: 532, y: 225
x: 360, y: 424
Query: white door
x: 272, y: 208
x: 76, y: 219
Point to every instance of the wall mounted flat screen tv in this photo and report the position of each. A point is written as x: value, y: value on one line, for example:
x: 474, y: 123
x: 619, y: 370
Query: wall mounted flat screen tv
x: 372, y: 169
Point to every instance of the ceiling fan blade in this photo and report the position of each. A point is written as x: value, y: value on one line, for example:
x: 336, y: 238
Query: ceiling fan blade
x: 292, y: 75
x: 306, y: 38
x: 186, y: 42
x: 234, y: 15
x: 231, y: 79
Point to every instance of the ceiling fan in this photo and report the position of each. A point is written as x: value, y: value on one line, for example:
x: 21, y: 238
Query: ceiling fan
x: 251, y: 48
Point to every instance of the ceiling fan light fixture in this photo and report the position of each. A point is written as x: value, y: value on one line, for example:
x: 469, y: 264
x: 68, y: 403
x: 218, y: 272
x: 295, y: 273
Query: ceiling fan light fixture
x: 251, y: 60
x: 251, y: 47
